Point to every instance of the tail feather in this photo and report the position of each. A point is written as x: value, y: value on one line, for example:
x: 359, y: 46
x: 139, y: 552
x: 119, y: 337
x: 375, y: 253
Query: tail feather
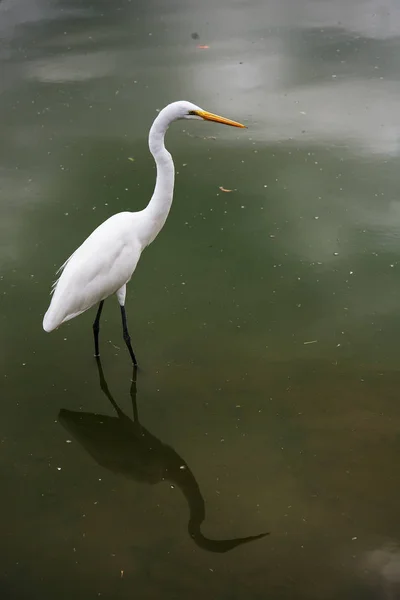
x: 48, y: 324
x: 50, y: 320
x: 53, y: 319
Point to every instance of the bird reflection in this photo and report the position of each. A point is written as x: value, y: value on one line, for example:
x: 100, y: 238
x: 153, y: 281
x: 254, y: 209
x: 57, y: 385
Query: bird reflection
x: 124, y: 446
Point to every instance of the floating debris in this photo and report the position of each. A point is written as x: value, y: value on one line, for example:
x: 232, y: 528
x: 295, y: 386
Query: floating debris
x: 131, y: 159
x: 202, y: 47
x: 224, y: 189
x: 310, y: 342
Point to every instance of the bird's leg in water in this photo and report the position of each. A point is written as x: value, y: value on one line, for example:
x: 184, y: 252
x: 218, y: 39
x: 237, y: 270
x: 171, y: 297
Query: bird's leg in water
x: 96, y: 329
x: 104, y: 387
x: 127, y: 337
x: 133, y: 395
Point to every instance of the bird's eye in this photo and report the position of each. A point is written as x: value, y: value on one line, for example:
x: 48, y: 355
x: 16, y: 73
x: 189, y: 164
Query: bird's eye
x: 192, y: 113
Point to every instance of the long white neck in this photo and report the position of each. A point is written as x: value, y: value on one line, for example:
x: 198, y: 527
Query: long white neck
x: 157, y: 210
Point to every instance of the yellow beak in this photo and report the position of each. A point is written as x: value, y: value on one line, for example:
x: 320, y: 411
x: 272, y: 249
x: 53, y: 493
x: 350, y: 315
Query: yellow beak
x: 211, y: 117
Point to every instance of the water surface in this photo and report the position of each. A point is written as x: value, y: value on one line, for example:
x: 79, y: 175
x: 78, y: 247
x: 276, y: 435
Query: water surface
x: 266, y: 319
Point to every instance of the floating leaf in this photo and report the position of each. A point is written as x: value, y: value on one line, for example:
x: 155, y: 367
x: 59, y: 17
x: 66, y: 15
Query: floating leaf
x: 131, y: 159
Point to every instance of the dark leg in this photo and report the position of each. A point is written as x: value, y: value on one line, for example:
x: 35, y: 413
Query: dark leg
x: 127, y: 336
x: 96, y: 329
x: 133, y: 395
x: 104, y: 388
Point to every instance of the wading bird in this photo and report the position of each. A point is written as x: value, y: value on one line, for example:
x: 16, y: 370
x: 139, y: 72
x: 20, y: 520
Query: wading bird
x: 107, y: 259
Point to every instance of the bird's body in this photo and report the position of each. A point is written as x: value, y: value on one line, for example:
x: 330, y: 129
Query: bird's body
x: 90, y: 275
x: 107, y: 259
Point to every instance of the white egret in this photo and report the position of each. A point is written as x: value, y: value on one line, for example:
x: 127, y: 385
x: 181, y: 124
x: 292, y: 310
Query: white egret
x: 107, y: 259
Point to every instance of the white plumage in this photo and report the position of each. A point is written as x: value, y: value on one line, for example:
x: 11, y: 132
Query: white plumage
x: 90, y: 275
x: 107, y: 259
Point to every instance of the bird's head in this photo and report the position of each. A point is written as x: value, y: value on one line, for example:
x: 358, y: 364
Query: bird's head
x: 187, y: 110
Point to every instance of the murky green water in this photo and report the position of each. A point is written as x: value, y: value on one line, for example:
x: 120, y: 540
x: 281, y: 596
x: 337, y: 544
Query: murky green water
x: 266, y: 319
